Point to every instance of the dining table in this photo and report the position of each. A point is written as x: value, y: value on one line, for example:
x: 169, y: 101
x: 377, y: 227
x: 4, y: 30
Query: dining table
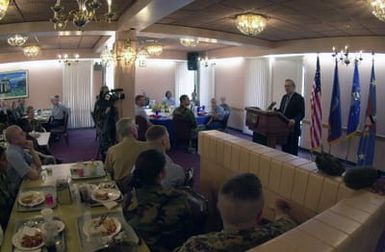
x: 68, y: 213
x: 166, y: 120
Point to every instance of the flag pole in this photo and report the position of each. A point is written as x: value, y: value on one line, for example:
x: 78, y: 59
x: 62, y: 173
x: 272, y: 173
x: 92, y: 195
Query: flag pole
x: 348, y: 148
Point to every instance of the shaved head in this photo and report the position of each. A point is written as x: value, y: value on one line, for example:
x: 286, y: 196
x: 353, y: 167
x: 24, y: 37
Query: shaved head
x: 240, y: 201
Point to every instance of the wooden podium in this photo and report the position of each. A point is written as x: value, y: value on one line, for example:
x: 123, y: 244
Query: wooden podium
x: 270, y: 124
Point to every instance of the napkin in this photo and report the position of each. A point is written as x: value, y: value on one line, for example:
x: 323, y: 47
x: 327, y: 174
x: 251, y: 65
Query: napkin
x: 109, y: 205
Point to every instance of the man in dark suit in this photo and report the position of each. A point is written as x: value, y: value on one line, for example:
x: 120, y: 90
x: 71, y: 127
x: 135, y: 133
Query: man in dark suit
x: 293, y: 107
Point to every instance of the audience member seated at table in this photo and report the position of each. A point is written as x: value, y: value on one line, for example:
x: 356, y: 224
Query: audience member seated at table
x: 175, y: 174
x: 160, y: 216
x: 58, y: 112
x: 7, y: 193
x: 168, y: 99
x: 21, y: 109
x: 224, y: 105
x: 22, y: 164
x: 240, y: 203
x: 29, y: 123
x: 121, y: 157
x: 184, y: 112
x: 217, y: 116
x: 139, y: 108
x: 13, y: 115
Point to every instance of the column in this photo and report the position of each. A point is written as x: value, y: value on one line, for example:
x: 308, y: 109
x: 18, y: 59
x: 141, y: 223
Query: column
x: 125, y: 75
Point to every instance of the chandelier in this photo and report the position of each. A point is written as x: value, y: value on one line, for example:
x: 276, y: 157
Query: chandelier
x: 344, y: 55
x: 378, y: 7
x: 17, y: 40
x: 67, y: 60
x: 250, y: 24
x: 141, y: 57
x: 31, y: 51
x: 127, y: 54
x: 80, y: 17
x: 154, y: 49
x: 107, y: 56
x: 3, y: 7
x: 189, y: 42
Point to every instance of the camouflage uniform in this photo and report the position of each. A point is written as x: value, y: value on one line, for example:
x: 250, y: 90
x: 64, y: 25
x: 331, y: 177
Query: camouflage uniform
x: 160, y: 216
x: 7, y: 197
x: 186, y: 114
x: 230, y: 241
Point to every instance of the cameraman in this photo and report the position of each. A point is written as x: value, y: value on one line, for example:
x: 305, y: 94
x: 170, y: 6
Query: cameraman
x: 106, y: 115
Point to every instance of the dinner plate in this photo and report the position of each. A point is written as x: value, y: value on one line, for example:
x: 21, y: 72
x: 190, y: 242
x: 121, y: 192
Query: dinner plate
x: 105, y: 194
x: 92, y: 227
x: 17, y: 238
x: 59, y: 224
x: 31, y: 198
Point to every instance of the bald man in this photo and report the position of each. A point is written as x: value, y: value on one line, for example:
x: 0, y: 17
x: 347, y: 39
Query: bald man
x: 22, y: 164
x: 240, y: 202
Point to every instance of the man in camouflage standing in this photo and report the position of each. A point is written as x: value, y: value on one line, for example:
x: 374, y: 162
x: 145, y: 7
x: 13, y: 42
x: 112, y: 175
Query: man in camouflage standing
x: 240, y: 203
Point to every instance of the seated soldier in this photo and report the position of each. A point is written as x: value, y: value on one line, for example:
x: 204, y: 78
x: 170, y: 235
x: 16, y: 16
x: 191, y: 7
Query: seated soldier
x: 22, y: 164
x: 121, y: 157
x: 175, y: 174
x: 161, y: 216
x: 7, y: 193
x: 184, y: 112
x: 240, y: 202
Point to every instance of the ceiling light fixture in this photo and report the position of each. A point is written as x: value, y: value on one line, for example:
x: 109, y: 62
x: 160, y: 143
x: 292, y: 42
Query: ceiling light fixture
x: 17, y: 40
x: 67, y: 60
x: 107, y: 56
x: 31, y: 51
x: 250, y: 24
x: 154, y: 49
x: 85, y: 13
x: 127, y: 54
x: 189, y: 42
x: 344, y: 55
x: 141, y: 57
x: 3, y: 7
x: 378, y: 8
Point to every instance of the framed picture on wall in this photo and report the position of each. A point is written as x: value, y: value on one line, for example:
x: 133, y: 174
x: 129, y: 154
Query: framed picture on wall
x: 14, y: 84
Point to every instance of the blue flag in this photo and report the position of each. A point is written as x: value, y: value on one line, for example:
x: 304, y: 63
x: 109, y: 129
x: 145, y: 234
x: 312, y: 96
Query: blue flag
x: 355, y: 104
x: 366, y: 147
x: 335, y: 130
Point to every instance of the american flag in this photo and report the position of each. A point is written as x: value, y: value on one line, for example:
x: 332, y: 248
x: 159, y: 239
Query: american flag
x: 316, y: 110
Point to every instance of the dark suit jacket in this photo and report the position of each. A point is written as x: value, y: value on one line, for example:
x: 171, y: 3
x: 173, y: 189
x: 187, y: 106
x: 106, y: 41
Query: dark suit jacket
x: 295, y: 110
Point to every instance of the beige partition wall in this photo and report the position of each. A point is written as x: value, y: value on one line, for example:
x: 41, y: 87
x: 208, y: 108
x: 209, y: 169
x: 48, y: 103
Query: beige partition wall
x: 332, y: 217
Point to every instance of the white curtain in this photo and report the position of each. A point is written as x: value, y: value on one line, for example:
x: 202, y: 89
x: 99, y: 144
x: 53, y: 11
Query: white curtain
x: 184, y: 80
x: 257, y: 82
x: 206, y: 84
x: 77, y: 93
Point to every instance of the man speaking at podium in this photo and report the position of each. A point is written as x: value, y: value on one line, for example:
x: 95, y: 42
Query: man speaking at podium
x: 293, y: 107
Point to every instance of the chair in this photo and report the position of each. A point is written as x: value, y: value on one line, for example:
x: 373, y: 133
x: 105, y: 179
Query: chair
x: 224, y: 121
x: 183, y: 129
x: 142, y: 127
x: 62, y: 129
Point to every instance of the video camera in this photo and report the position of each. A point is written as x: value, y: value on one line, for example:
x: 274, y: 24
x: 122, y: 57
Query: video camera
x: 116, y: 94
